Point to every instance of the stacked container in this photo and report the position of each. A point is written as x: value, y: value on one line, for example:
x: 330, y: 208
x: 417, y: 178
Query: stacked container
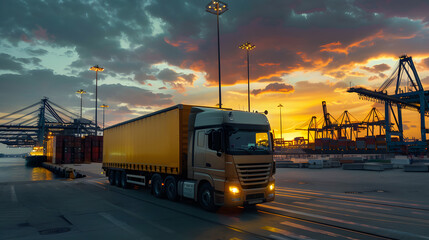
x: 325, y: 143
x: 360, y: 143
x: 318, y: 144
x: 380, y: 141
x: 342, y: 143
x: 370, y: 142
x: 351, y: 145
x: 71, y: 149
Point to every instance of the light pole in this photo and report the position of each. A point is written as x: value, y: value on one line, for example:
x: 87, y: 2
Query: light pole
x: 217, y: 7
x: 281, y: 133
x: 248, y: 47
x: 97, y: 69
x: 81, y: 91
x: 104, y: 106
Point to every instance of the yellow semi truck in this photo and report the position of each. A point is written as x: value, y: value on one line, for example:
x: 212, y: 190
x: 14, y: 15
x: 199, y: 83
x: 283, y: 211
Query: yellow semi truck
x: 218, y: 157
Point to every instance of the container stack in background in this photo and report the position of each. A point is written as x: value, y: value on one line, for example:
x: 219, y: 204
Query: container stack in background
x: 71, y: 149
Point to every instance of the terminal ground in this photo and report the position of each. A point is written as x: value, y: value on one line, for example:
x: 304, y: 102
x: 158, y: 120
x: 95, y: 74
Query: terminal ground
x: 310, y: 204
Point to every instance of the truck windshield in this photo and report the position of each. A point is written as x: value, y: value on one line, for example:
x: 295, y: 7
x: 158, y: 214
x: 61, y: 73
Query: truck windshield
x: 248, y: 142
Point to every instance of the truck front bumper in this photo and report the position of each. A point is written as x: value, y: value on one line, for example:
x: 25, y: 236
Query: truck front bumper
x: 249, y: 196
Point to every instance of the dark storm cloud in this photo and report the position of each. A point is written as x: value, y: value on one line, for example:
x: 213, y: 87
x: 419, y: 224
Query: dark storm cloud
x: 377, y: 68
x: 288, y: 34
x: 416, y: 9
x: 168, y: 75
x: 274, y: 88
x: 31, y: 86
x: 93, y: 29
x: 136, y: 97
x: 37, y: 52
x: 8, y: 62
x: 176, y: 80
x: 35, y: 61
x: 272, y: 79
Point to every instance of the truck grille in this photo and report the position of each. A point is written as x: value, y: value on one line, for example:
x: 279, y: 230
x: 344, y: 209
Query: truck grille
x: 253, y: 175
x: 254, y: 196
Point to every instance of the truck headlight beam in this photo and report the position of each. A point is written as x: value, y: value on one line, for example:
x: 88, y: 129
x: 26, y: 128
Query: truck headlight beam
x: 234, y: 189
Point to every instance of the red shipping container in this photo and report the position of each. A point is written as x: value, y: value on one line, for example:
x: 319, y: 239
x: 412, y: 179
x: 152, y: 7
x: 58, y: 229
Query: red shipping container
x: 370, y: 140
x: 318, y: 144
x: 95, y: 153
x: 351, y: 145
x: 87, y: 157
x: 333, y: 145
x: 360, y: 143
x: 67, y: 158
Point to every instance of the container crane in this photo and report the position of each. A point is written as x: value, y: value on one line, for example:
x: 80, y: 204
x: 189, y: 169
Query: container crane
x: 29, y: 127
x: 408, y: 94
x: 330, y: 124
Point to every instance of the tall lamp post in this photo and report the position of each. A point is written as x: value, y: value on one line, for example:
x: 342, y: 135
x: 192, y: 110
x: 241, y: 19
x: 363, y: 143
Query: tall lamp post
x: 104, y: 106
x: 248, y: 47
x: 281, y: 133
x: 81, y: 91
x: 97, y: 69
x: 217, y: 7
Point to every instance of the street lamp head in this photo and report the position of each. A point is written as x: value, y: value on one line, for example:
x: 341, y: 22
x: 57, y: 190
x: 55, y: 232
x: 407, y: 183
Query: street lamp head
x: 216, y: 7
x: 104, y: 106
x: 81, y: 91
x: 247, y: 46
x: 280, y: 105
x: 96, y: 68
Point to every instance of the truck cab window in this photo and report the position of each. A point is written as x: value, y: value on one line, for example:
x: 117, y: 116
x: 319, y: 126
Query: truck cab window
x: 244, y: 142
x: 200, y: 139
x: 215, y: 140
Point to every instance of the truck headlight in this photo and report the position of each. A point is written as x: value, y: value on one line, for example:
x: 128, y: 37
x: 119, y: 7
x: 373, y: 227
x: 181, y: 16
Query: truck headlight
x: 271, y: 187
x: 234, y: 190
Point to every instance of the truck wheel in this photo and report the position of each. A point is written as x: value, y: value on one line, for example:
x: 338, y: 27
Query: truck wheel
x: 157, y: 188
x: 124, y: 182
x: 171, y: 188
x: 118, y: 176
x: 112, y: 177
x: 206, y: 197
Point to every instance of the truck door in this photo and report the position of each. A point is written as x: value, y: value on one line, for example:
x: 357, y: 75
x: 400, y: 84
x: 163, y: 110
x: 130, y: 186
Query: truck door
x: 199, y: 158
x: 206, y: 159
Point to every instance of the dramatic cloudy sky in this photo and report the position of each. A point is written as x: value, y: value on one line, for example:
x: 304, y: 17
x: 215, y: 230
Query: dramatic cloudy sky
x: 160, y: 53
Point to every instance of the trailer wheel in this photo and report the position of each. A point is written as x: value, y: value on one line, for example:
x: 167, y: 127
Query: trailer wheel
x: 118, y: 176
x: 112, y: 177
x: 124, y: 182
x: 171, y: 188
x: 206, y: 197
x: 157, y: 188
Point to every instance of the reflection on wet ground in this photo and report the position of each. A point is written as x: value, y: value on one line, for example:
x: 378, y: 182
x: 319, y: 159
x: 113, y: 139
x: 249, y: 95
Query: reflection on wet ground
x: 14, y: 170
x: 41, y: 174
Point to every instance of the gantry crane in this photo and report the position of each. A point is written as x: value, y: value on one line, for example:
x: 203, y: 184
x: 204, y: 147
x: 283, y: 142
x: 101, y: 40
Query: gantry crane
x: 330, y: 124
x: 348, y: 126
x: 30, y: 126
x: 408, y: 93
x: 373, y: 120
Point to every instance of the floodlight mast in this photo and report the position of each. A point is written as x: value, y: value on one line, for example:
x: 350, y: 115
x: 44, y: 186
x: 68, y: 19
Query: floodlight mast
x: 248, y: 47
x: 217, y: 7
x: 97, y: 69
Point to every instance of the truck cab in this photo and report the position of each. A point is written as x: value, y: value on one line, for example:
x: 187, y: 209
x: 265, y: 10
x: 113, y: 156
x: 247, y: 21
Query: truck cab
x: 230, y: 158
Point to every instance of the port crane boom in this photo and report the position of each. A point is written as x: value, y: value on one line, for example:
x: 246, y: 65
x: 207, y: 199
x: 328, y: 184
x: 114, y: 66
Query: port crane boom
x: 408, y: 94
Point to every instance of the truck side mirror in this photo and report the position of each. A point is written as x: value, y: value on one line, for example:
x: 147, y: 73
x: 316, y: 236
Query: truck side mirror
x: 217, y: 140
x: 272, y: 141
